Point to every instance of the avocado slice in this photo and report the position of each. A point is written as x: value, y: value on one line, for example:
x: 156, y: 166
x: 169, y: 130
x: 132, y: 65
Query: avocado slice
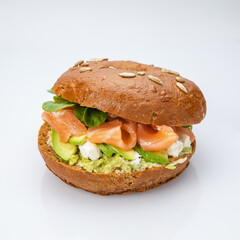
x: 64, y: 150
x: 78, y: 140
x: 105, y: 149
x: 129, y: 155
x: 186, y: 150
x: 188, y: 127
x: 154, y: 157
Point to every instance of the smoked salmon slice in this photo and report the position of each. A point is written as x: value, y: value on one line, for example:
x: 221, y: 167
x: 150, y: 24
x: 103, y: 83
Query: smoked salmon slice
x: 65, y: 123
x: 181, y: 130
x: 155, y: 139
x: 119, y: 133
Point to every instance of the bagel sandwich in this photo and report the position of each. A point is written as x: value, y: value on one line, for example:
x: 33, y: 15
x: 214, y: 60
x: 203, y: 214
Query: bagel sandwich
x: 117, y: 127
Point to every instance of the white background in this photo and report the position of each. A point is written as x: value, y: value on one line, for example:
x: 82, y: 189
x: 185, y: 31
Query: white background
x: 40, y: 40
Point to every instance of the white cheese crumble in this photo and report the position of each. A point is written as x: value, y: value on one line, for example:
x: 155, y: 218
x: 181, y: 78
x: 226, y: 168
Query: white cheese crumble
x: 137, y: 158
x: 90, y: 150
x: 185, y: 139
x: 182, y: 142
x: 175, y: 149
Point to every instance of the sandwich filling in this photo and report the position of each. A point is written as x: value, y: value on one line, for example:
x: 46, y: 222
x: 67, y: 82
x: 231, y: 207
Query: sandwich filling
x: 102, y: 142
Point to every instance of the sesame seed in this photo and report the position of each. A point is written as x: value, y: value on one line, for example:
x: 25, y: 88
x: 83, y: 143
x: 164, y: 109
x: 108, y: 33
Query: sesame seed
x: 142, y: 73
x: 85, y: 64
x: 170, y: 71
x: 84, y: 69
x: 181, y: 87
x: 78, y: 63
x: 155, y: 79
x: 180, y: 79
x: 98, y: 59
x: 127, y: 75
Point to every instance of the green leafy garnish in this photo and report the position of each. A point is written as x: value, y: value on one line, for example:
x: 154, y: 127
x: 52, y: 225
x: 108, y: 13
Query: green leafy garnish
x: 94, y: 117
x: 51, y: 106
x: 91, y: 117
x: 80, y: 112
x: 58, y: 99
x: 189, y: 127
x: 50, y: 91
x: 58, y: 104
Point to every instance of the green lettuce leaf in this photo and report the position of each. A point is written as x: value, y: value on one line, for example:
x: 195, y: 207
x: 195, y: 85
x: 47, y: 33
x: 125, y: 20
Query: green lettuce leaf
x: 50, y: 91
x: 51, y: 106
x: 80, y: 112
x: 58, y: 99
x: 91, y: 117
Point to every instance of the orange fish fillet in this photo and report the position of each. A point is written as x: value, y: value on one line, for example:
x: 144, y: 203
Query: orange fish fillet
x: 121, y: 134
x: 65, y: 123
x: 155, y: 139
x: 181, y: 130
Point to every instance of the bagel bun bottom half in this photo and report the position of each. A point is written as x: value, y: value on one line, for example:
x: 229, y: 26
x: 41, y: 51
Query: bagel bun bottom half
x: 110, y: 183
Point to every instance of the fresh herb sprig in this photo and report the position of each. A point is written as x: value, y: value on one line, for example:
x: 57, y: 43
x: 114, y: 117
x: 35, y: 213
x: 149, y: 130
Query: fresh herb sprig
x: 91, y: 117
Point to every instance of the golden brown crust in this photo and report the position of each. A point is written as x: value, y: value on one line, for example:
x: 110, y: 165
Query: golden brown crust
x: 138, y: 98
x: 106, y: 184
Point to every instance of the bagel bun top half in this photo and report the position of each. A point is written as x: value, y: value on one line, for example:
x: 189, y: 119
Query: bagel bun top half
x: 134, y: 91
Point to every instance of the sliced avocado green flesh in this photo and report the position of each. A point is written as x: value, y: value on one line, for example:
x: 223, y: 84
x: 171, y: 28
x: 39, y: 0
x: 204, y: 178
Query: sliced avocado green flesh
x: 105, y: 149
x: 154, y: 157
x: 188, y: 127
x: 78, y: 140
x: 186, y: 150
x: 63, y: 150
x: 129, y: 155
